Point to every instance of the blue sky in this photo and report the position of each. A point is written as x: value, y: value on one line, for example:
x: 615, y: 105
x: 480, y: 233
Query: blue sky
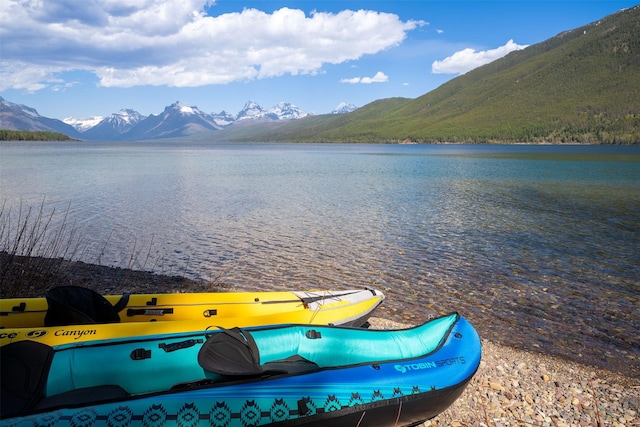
x: 81, y: 58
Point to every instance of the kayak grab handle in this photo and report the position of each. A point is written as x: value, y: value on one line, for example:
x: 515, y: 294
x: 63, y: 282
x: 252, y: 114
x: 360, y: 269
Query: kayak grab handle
x: 143, y: 353
x: 149, y: 311
x: 179, y: 345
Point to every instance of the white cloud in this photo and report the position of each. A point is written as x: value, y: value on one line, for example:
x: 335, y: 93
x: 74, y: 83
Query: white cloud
x: 379, y: 77
x: 353, y: 80
x: 128, y: 43
x: 63, y: 87
x: 19, y: 75
x: 468, y: 59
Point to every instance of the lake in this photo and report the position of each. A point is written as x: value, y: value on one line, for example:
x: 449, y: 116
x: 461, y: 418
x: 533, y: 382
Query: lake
x: 539, y: 246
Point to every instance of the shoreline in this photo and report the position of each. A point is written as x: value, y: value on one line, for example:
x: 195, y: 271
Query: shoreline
x: 513, y: 387
x: 48, y: 272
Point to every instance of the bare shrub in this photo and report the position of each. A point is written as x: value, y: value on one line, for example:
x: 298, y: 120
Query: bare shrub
x: 34, y: 242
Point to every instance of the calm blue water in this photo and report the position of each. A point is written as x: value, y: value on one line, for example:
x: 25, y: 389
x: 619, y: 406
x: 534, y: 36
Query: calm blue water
x: 538, y: 245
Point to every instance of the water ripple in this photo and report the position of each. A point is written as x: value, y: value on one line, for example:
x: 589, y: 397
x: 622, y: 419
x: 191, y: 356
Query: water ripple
x: 541, y: 251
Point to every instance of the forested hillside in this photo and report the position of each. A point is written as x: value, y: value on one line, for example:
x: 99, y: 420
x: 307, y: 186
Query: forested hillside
x: 25, y: 135
x: 582, y: 86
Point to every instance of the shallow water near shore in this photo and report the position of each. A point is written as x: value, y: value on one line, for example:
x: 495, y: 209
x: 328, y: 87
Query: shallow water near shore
x: 537, y: 245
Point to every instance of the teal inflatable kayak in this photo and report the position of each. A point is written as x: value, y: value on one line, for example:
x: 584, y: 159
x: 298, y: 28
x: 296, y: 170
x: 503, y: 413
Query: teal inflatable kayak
x: 284, y: 375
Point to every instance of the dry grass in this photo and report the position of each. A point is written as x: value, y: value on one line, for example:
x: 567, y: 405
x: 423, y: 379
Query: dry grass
x: 40, y: 249
x: 33, y: 245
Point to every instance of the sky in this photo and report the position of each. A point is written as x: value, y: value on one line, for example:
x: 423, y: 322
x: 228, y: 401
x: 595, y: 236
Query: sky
x: 82, y: 58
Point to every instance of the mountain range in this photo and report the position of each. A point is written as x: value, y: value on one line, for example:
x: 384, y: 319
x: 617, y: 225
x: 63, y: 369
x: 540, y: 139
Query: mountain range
x: 581, y: 86
x: 21, y: 117
x: 177, y: 120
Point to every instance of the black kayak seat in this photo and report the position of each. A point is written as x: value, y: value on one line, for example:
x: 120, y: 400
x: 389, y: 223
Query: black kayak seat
x: 75, y: 305
x: 233, y: 352
x: 25, y: 367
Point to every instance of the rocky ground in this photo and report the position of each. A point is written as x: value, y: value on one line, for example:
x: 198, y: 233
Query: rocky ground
x: 512, y: 387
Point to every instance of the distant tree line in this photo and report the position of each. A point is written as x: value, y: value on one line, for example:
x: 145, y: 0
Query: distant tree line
x: 26, y: 135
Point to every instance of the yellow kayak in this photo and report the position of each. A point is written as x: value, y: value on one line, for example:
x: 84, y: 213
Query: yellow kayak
x: 70, y: 315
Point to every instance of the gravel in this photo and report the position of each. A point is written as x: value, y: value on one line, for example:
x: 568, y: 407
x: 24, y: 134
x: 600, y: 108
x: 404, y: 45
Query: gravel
x: 519, y: 388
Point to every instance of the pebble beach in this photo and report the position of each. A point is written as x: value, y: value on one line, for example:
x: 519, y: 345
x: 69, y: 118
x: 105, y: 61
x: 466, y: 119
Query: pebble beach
x: 519, y: 388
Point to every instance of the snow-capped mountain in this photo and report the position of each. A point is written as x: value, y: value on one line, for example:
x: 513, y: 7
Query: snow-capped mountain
x: 251, y: 110
x: 281, y: 111
x: 285, y: 111
x: 114, y: 126
x: 85, y: 124
x: 6, y: 106
x: 224, y: 119
x: 344, y: 108
x: 20, y: 117
x: 178, y: 119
